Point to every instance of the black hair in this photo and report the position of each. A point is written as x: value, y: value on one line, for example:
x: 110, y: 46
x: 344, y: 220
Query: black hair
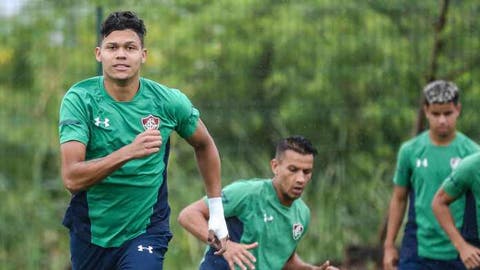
x: 295, y: 143
x: 122, y: 20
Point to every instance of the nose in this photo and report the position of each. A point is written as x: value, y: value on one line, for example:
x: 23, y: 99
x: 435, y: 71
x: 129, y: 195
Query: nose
x: 442, y: 119
x: 121, y: 52
x: 302, y: 177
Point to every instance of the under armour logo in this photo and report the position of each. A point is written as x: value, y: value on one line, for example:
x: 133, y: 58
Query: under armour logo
x: 422, y: 162
x: 105, y: 122
x: 142, y: 248
x: 267, y: 218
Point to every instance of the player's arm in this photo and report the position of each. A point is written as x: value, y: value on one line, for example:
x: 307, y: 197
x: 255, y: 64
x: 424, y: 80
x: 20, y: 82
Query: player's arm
x: 440, y: 205
x: 396, y: 212
x: 80, y: 174
x: 296, y: 263
x: 194, y: 218
x: 208, y: 161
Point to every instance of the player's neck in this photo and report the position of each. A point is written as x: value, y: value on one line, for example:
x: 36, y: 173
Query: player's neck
x: 442, y: 140
x: 282, y: 198
x: 122, y: 90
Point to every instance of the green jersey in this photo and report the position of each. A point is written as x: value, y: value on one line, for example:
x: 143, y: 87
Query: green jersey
x: 422, y: 167
x: 463, y: 180
x: 133, y: 198
x: 255, y: 214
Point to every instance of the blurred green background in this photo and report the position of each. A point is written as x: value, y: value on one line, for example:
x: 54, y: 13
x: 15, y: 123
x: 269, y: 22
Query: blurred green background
x: 346, y: 74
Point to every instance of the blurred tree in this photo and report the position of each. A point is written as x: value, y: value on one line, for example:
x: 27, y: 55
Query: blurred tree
x: 346, y: 74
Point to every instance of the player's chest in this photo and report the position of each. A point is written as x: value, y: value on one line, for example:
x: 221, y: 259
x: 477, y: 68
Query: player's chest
x: 436, y: 166
x: 268, y: 223
x: 115, y: 125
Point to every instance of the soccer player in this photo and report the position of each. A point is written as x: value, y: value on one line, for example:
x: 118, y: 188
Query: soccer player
x: 423, y: 163
x: 266, y: 217
x: 114, y: 135
x: 463, y: 181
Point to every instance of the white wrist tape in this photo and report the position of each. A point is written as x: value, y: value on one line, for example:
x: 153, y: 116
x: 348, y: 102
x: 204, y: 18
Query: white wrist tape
x: 217, y: 223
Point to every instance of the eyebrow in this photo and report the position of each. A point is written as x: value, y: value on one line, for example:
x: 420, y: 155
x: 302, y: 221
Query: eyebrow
x: 123, y: 43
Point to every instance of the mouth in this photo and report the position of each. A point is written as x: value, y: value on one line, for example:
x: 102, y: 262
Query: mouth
x: 121, y: 67
x: 297, y: 191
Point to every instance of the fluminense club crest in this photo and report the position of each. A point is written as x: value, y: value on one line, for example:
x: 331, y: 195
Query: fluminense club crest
x: 151, y: 122
x: 297, y: 231
x: 454, y: 162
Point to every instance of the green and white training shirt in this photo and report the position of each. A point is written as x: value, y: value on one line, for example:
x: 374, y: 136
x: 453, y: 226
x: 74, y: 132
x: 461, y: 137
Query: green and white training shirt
x: 133, y: 199
x: 255, y: 214
x: 422, y: 167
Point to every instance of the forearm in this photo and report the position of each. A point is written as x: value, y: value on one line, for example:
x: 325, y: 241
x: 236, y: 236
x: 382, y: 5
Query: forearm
x: 83, y: 174
x: 194, y: 221
x: 395, y: 217
x: 208, y: 161
x: 296, y: 263
x: 445, y: 219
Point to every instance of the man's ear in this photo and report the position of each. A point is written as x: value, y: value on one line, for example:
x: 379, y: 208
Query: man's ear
x: 97, y: 54
x: 274, y: 166
x: 144, y: 55
x: 425, y: 110
x: 459, y: 108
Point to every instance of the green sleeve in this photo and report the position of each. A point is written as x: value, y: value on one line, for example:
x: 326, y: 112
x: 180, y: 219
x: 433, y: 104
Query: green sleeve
x: 73, y: 123
x: 403, y: 170
x: 235, y: 197
x: 459, y: 180
x: 187, y: 115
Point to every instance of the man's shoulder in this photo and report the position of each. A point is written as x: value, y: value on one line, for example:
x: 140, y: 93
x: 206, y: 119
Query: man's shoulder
x: 253, y: 184
x: 85, y: 87
x: 416, y: 142
x: 465, y: 140
x: 159, y: 89
x: 471, y: 161
x: 301, y: 205
x: 88, y: 83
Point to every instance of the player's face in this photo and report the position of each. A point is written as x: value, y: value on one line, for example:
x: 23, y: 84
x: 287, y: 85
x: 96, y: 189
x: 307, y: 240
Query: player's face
x: 442, y: 119
x: 292, y: 172
x: 121, y: 54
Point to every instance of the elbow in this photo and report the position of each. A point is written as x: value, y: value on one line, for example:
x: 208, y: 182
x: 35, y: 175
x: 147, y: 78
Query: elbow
x: 182, y: 218
x: 438, y: 205
x: 71, y: 184
x: 435, y: 204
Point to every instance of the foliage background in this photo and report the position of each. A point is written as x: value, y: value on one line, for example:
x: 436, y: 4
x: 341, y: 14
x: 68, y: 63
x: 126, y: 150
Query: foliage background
x: 346, y: 74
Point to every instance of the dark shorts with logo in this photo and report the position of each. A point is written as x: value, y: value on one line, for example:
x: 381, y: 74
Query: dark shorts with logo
x: 144, y: 252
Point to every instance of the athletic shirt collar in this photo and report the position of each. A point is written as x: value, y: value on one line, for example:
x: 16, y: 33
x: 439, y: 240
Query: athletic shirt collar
x: 104, y: 94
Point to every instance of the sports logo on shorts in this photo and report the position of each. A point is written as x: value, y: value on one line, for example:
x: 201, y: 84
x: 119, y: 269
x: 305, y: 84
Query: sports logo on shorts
x: 151, y: 122
x: 297, y: 231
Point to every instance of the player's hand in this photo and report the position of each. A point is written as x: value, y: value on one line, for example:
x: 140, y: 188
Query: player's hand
x: 390, y: 258
x: 217, y: 226
x: 326, y: 266
x: 470, y: 256
x: 146, y: 143
x: 220, y: 245
x: 239, y: 254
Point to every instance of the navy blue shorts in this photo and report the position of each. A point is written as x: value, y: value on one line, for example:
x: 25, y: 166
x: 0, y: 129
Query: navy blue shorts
x: 214, y: 262
x: 409, y: 260
x: 430, y: 264
x: 144, y: 252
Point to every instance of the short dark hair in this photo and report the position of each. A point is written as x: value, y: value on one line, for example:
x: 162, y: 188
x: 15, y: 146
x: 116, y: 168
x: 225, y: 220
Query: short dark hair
x: 295, y: 143
x: 122, y: 20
